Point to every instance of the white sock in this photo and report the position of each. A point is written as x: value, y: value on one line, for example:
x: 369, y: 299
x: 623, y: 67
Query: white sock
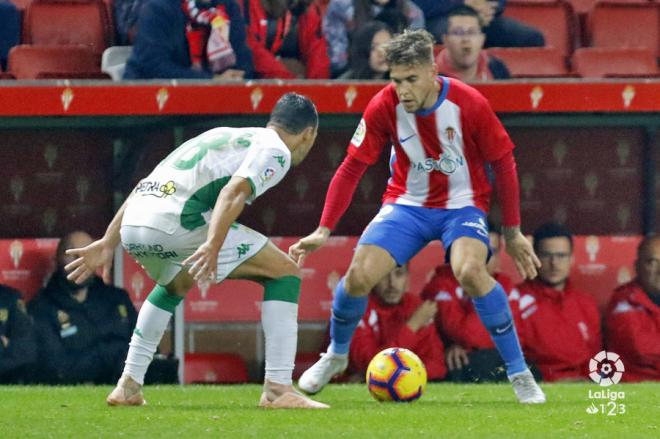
x: 149, y: 329
x: 280, y: 323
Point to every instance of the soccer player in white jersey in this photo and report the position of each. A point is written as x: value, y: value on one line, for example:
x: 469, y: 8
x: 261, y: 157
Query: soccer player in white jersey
x: 443, y: 134
x: 179, y: 224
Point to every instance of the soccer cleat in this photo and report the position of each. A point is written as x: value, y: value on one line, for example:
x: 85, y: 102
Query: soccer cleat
x: 320, y: 374
x: 526, y: 389
x: 127, y: 392
x: 290, y: 400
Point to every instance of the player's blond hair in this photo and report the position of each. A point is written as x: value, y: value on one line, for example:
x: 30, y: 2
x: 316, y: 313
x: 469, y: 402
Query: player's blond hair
x: 412, y: 47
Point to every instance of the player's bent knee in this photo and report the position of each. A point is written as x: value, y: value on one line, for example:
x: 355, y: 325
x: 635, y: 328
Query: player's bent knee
x: 357, y: 282
x: 470, y: 274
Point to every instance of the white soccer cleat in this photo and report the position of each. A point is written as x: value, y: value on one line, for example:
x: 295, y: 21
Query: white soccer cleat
x: 526, y: 389
x: 290, y: 400
x: 127, y: 392
x: 320, y: 374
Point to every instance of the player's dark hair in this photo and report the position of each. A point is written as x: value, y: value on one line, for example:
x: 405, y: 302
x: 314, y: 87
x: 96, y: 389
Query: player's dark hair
x: 460, y: 11
x: 411, y: 48
x: 294, y: 113
x: 551, y: 230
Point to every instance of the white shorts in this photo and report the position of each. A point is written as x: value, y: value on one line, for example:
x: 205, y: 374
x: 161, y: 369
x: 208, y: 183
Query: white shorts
x: 161, y: 254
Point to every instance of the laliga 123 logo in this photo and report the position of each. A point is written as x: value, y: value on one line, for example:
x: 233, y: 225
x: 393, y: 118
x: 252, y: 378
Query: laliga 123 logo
x: 606, y: 369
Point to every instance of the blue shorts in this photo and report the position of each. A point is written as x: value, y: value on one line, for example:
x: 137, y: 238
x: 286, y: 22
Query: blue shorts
x: 404, y: 230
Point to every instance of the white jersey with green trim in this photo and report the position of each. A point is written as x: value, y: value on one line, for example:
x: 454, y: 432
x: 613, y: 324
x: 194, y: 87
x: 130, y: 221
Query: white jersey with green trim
x: 182, y: 190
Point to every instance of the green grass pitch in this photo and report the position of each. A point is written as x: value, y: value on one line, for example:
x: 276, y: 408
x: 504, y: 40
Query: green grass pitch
x: 444, y: 411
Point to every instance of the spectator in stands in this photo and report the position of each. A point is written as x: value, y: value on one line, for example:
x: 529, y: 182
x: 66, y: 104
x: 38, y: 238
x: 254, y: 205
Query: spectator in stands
x: 286, y: 39
x: 632, y: 321
x: 18, y: 345
x: 471, y: 354
x: 395, y: 318
x: 83, y: 330
x: 367, y: 59
x: 500, y: 31
x: 561, y: 325
x: 343, y: 17
x: 10, y: 28
x: 463, y: 57
x: 200, y: 39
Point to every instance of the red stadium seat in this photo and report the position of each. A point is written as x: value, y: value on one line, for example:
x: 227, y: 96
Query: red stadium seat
x: 31, y: 62
x: 597, y: 62
x: 624, y: 24
x: 532, y: 62
x: 5, y: 75
x: 221, y: 368
x: 554, y: 18
x: 21, y: 5
x: 68, y: 22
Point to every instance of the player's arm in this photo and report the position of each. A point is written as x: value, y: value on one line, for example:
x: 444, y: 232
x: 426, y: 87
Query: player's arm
x: 228, y: 206
x: 517, y: 246
x: 98, y: 254
x: 365, y: 147
x: 497, y: 148
x: 337, y: 199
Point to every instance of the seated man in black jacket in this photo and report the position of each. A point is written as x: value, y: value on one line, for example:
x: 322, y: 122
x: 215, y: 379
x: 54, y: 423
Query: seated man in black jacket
x: 190, y: 39
x: 83, y: 330
x: 18, y: 346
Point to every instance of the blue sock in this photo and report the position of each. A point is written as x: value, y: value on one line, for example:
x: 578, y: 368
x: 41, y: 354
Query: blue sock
x: 495, y: 314
x: 346, y: 314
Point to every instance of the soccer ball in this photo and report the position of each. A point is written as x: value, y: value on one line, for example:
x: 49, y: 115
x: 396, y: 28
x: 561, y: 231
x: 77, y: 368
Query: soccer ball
x: 396, y: 374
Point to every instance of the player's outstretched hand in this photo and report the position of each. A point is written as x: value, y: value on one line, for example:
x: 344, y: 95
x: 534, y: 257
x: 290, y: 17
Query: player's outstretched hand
x: 98, y: 254
x: 203, y: 263
x: 522, y: 253
x: 308, y: 244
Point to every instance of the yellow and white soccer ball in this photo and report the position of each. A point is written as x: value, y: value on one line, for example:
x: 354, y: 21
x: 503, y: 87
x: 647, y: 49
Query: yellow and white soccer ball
x: 396, y: 374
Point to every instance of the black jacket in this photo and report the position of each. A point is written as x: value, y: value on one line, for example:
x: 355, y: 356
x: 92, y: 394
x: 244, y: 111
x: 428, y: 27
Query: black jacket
x: 82, y: 342
x: 161, y: 48
x: 20, y: 355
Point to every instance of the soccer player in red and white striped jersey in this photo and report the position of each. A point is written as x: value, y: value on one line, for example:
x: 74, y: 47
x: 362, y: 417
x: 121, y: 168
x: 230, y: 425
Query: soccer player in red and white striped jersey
x: 442, y: 134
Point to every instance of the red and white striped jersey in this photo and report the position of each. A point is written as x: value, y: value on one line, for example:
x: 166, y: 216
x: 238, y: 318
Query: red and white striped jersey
x: 438, y: 155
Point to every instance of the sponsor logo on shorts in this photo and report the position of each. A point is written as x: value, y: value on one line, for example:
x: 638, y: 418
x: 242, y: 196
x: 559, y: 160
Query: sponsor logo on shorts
x: 243, y: 249
x: 155, y: 188
x: 480, y: 226
x: 148, y: 250
x: 445, y: 164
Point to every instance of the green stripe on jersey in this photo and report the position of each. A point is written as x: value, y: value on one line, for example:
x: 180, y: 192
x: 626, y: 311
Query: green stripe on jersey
x: 201, y: 201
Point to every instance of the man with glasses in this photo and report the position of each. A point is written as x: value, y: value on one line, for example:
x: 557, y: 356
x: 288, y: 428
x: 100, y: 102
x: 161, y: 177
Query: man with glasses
x: 463, y: 57
x: 561, y: 325
x: 633, y: 316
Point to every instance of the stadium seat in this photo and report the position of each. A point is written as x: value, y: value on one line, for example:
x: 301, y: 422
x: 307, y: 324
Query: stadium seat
x: 68, y: 22
x: 113, y: 61
x: 31, y: 62
x: 21, y: 5
x: 221, y: 368
x: 555, y: 18
x: 598, y: 62
x: 625, y: 24
x: 6, y: 75
x: 532, y: 62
